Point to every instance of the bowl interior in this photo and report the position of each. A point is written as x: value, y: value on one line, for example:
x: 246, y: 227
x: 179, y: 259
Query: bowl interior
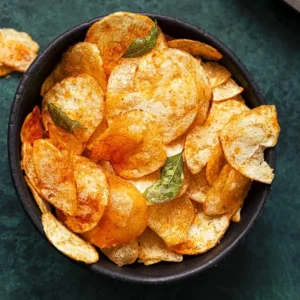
x: 27, y: 96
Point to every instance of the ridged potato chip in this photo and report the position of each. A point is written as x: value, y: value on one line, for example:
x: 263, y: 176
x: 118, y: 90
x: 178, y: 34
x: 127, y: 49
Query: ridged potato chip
x: 114, y: 33
x: 5, y: 70
x: 216, y: 73
x: 92, y: 196
x: 67, y: 242
x: 227, y: 193
x: 244, y: 139
x: 124, y: 219
x: 215, y: 164
x: 54, y: 176
x: 196, y: 48
x: 200, y: 140
x: 123, y: 255
x: 226, y: 91
x: 32, y: 127
x: 18, y: 50
x: 130, y: 143
x: 237, y: 216
x: 154, y: 250
x: 82, y: 58
x: 171, y: 220
x: 204, y: 234
x: 198, y: 186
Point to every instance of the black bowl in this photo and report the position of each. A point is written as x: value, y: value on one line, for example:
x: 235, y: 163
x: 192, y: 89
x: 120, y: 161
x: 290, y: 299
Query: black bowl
x: 27, y: 96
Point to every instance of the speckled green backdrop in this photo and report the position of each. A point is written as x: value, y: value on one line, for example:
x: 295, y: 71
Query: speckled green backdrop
x: 265, y: 36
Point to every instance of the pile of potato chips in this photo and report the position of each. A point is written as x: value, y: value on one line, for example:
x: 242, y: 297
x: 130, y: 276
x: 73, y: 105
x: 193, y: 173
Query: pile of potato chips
x: 143, y: 148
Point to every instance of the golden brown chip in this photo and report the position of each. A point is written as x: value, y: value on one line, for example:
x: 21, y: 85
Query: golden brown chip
x: 82, y: 58
x: 92, y: 196
x: 244, y: 139
x: 5, y: 70
x: 215, y: 164
x: 227, y: 193
x: 146, y: 181
x: 237, y: 216
x: 154, y: 250
x: 114, y: 33
x: 130, y: 144
x: 204, y: 234
x: 55, y: 176
x: 226, y: 91
x: 67, y: 242
x: 32, y: 127
x: 200, y: 140
x: 216, y: 73
x: 18, y: 50
x: 125, y: 217
x: 43, y: 205
x: 196, y: 48
x: 198, y: 186
x: 97, y: 132
x: 106, y: 166
x: 123, y: 255
x: 171, y: 220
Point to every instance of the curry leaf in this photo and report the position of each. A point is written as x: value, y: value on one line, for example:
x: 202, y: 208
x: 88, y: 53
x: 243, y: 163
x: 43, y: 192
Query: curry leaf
x: 141, y: 46
x: 62, y: 120
x: 170, y: 182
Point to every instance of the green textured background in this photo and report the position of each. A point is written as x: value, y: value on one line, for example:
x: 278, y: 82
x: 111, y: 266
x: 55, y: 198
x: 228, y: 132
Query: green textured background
x: 265, y: 36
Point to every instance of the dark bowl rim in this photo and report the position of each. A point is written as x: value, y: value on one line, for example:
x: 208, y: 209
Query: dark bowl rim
x: 13, y: 135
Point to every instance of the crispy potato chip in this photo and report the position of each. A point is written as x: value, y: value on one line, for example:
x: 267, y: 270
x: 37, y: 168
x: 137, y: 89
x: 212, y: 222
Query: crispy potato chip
x: 216, y: 73
x: 171, y: 220
x: 82, y: 100
x: 200, y: 140
x: 114, y: 33
x: 237, y: 216
x: 244, y: 139
x: 97, y: 132
x: 67, y: 242
x: 227, y: 193
x: 215, y: 164
x: 123, y: 255
x: 5, y: 70
x: 43, y: 205
x: 125, y: 217
x: 92, y: 196
x: 130, y: 144
x: 32, y: 127
x: 106, y: 166
x: 18, y: 50
x: 185, y: 183
x: 204, y: 234
x: 176, y: 146
x: 196, y: 48
x: 82, y: 58
x: 144, y: 182
x: 154, y: 250
x: 198, y: 186
x: 226, y: 91
x: 55, y: 176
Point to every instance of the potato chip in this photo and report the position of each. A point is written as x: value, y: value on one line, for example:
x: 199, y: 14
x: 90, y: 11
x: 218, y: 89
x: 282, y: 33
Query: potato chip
x: 176, y: 146
x: 55, y: 176
x: 227, y: 193
x: 244, y: 139
x: 204, y: 234
x: 198, y: 186
x: 237, y: 216
x: 32, y: 127
x: 5, y: 70
x: 215, y: 164
x: 146, y: 181
x: 185, y: 183
x: 18, y: 50
x: 125, y: 217
x: 154, y: 250
x: 106, y: 166
x: 196, y: 48
x: 43, y: 205
x: 123, y: 255
x: 200, y: 140
x: 216, y: 73
x: 92, y: 196
x: 226, y: 91
x: 114, y: 33
x: 130, y: 144
x: 82, y: 58
x: 97, y: 132
x: 67, y: 242
x: 171, y: 220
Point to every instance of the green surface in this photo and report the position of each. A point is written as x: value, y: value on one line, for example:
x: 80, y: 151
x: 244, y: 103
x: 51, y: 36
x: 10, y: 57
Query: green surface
x: 265, y: 36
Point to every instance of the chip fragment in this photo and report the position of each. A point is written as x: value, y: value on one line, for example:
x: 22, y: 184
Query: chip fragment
x: 237, y: 216
x: 67, y: 242
x: 244, y: 139
x: 216, y: 73
x: 5, y: 70
x: 227, y: 90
